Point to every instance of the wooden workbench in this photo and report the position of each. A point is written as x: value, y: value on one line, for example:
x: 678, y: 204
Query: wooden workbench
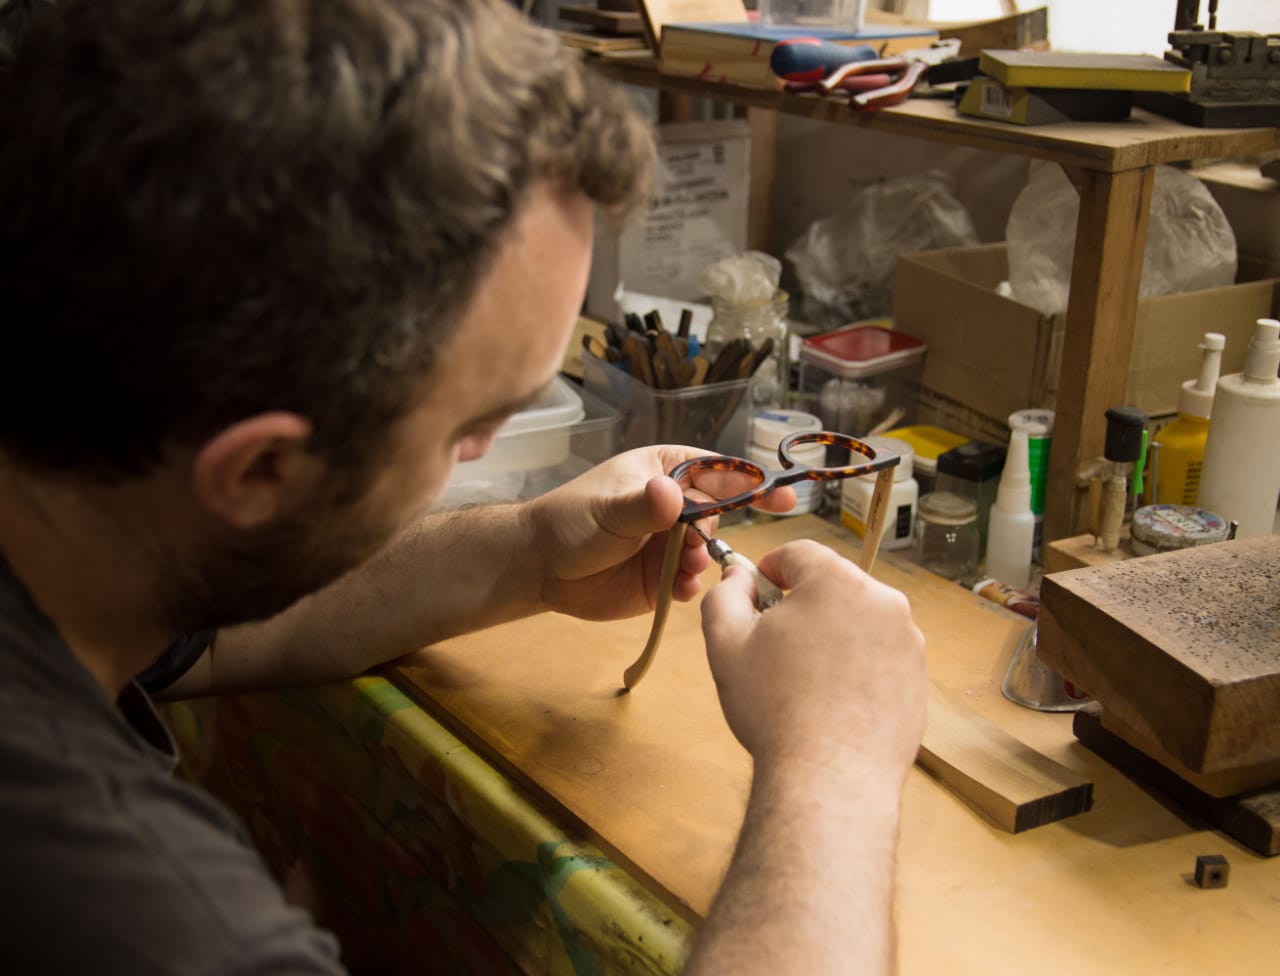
x: 656, y: 779
x: 1113, y: 166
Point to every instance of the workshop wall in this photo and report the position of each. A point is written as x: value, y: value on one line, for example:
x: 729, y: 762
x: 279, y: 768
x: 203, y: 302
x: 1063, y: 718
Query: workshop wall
x: 1133, y: 27
x: 820, y: 166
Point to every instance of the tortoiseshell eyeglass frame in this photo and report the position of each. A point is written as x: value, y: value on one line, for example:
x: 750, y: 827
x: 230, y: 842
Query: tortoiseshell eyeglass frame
x: 791, y: 472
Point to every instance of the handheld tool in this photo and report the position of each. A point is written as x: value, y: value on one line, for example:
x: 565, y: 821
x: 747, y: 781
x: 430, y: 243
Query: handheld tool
x: 882, y: 82
x: 807, y: 60
x: 767, y: 592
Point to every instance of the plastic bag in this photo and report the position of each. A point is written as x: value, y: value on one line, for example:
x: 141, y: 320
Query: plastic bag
x: 1190, y: 245
x: 845, y: 262
x: 751, y: 276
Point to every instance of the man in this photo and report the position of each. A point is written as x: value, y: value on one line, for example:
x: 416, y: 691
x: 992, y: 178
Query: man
x: 269, y: 270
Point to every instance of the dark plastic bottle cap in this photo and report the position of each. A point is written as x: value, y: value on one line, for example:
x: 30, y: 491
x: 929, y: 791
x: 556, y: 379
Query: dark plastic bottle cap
x: 974, y: 461
x: 1124, y: 433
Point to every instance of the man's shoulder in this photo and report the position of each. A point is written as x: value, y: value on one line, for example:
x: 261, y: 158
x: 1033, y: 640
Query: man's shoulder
x: 121, y: 868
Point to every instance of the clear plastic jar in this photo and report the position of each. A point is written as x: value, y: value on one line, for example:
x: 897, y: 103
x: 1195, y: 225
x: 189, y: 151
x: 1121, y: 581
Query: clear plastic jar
x: 756, y: 322
x: 946, y: 538
x: 768, y: 428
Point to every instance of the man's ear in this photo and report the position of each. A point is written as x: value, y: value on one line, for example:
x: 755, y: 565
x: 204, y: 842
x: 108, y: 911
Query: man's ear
x: 256, y: 469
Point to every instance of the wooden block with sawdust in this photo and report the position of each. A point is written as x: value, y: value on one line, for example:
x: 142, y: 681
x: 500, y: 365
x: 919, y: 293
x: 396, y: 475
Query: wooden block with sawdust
x: 1183, y: 648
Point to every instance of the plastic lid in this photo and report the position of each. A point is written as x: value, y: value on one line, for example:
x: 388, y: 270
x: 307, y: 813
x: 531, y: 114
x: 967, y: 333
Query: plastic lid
x: 1166, y: 527
x: 769, y: 426
x: 1196, y: 398
x: 1037, y: 423
x: 559, y: 405
x: 904, y: 468
x: 1014, y: 493
x: 861, y: 350
x: 927, y: 442
x: 1124, y: 433
x: 947, y: 508
x: 973, y: 461
x: 1263, y: 357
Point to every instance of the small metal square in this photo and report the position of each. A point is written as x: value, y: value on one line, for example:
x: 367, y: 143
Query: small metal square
x: 1212, y: 871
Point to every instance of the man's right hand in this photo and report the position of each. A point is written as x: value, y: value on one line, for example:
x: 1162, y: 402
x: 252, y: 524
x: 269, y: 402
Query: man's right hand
x: 833, y: 672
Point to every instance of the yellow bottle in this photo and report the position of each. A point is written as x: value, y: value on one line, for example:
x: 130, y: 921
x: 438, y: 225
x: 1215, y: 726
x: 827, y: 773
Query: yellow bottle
x: 1179, y: 453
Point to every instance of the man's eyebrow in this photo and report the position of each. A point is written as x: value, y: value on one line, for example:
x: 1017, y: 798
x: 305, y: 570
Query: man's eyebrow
x: 508, y: 409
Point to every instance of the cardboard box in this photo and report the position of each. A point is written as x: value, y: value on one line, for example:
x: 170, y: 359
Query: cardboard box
x: 696, y: 216
x: 990, y: 355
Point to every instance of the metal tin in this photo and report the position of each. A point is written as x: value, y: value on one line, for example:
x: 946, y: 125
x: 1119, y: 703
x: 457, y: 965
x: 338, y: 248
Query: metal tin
x: 1163, y: 528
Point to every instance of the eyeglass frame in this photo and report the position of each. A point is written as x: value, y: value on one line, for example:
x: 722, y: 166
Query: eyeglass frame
x: 790, y: 473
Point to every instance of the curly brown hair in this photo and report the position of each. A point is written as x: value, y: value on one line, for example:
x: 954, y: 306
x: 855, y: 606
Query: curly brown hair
x: 213, y: 208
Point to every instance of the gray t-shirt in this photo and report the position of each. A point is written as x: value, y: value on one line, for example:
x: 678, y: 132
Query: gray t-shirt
x: 108, y: 863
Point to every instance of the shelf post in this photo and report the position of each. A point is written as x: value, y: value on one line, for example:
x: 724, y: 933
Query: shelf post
x: 1111, y: 237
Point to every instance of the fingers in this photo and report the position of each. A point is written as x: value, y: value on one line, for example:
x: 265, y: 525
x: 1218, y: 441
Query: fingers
x: 632, y: 515
x: 792, y: 564
x: 728, y: 617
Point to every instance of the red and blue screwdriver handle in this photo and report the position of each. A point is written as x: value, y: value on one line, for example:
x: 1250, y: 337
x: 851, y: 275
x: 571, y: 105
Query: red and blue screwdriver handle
x: 807, y: 60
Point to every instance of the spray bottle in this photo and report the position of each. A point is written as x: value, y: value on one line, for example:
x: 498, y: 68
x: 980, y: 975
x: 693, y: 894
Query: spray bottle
x: 1011, y: 531
x: 1179, y: 453
x: 1241, y: 476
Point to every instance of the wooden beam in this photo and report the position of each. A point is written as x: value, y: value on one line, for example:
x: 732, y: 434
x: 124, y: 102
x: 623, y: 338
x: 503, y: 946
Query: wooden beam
x: 764, y: 166
x: 1111, y: 236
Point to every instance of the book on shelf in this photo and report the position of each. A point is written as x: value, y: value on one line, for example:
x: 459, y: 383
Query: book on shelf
x: 1069, y: 69
x: 986, y: 98
x: 738, y: 53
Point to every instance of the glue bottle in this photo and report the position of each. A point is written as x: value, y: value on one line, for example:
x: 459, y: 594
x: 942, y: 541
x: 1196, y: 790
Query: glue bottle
x: 1011, y: 531
x: 1179, y: 453
x: 1241, y: 476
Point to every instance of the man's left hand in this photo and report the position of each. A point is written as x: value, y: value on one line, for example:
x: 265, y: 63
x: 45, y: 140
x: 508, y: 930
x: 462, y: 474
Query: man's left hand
x: 602, y: 536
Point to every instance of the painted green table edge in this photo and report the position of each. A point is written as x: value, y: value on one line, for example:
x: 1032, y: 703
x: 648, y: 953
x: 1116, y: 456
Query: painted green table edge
x: 413, y: 849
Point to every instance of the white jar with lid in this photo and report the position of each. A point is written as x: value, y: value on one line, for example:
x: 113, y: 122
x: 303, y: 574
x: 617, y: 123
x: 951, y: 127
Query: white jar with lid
x: 768, y: 428
x: 855, y: 502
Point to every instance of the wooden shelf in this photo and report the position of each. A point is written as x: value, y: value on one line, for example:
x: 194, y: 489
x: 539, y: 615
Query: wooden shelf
x: 1143, y: 140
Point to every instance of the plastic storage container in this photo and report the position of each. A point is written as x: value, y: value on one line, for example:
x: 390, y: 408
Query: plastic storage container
x: 946, y: 535
x: 814, y: 13
x: 713, y: 416
x: 973, y: 470
x: 758, y: 322
x: 565, y: 432
x: 856, y: 377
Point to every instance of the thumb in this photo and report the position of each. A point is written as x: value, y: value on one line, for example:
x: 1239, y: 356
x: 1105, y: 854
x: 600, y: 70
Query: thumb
x: 654, y: 508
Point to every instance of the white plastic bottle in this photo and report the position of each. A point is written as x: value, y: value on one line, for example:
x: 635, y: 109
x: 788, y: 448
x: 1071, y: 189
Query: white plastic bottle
x: 768, y: 428
x: 855, y: 498
x: 1011, y: 531
x: 1241, y: 475
x: 1180, y: 445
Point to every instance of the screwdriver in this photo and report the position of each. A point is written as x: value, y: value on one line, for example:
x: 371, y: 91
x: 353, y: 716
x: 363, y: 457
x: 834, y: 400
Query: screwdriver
x: 767, y: 592
x: 807, y: 60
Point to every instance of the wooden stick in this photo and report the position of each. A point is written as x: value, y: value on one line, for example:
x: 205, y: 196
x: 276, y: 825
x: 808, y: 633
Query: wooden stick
x: 875, y: 519
x: 666, y: 583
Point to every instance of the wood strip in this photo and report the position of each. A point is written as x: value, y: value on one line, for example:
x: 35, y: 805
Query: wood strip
x: 611, y: 21
x: 1007, y: 781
